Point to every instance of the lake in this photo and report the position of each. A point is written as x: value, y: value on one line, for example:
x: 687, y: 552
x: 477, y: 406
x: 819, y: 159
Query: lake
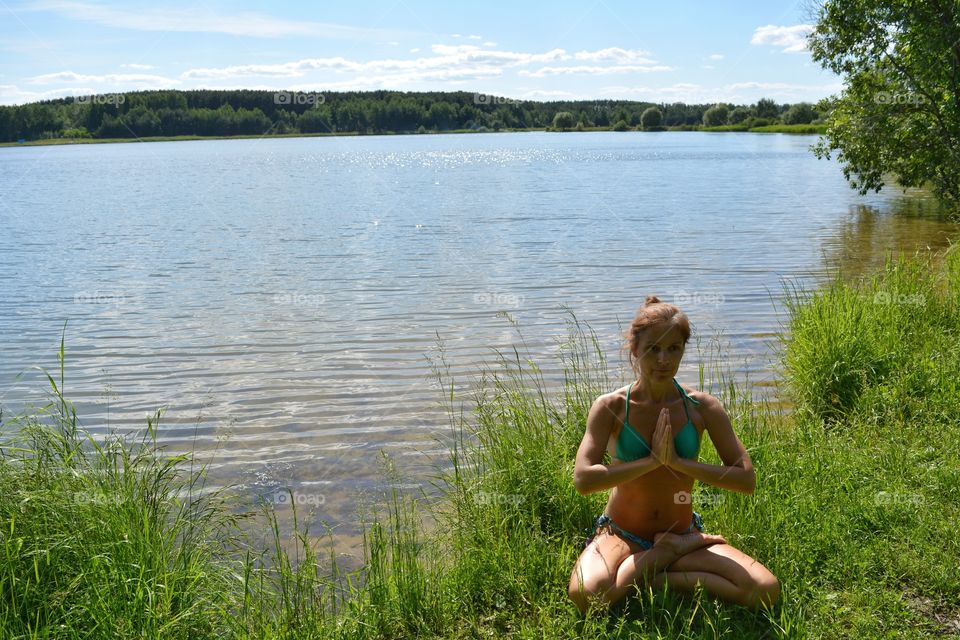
x: 283, y: 298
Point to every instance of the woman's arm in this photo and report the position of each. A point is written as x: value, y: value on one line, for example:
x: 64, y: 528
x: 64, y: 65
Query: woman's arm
x: 736, y: 473
x: 589, y: 473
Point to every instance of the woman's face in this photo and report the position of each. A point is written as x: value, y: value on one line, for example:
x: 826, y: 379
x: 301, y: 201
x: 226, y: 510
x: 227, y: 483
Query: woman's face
x: 660, y: 351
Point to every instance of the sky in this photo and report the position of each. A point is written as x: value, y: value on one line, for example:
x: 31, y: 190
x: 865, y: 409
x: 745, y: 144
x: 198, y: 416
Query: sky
x: 690, y: 51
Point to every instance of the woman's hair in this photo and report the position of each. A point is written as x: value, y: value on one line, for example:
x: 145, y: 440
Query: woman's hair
x: 653, y: 312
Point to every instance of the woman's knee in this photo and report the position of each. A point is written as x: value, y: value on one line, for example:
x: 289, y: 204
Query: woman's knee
x: 589, y: 589
x: 764, y: 591
x: 595, y: 574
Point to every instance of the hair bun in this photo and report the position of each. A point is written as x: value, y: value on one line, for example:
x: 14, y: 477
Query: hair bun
x: 652, y: 300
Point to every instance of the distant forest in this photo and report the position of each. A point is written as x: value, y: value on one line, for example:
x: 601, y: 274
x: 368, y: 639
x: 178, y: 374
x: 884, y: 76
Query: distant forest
x: 245, y: 112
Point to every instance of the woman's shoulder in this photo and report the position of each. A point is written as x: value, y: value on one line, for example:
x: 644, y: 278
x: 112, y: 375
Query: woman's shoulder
x: 611, y: 399
x: 706, y: 401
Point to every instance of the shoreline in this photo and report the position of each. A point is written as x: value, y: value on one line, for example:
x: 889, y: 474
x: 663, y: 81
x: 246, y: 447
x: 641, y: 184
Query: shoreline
x: 784, y: 129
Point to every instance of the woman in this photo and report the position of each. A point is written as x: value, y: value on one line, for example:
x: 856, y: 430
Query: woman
x: 646, y: 534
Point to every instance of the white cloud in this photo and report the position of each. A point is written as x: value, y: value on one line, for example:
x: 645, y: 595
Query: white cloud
x: 544, y: 95
x: 615, y: 54
x: 489, y: 44
x: 679, y: 92
x: 246, y: 23
x: 786, y: 90
x: 136, y: 80
x: 543, y: 72
x: 473, y: 52
x: 288, y: 69
x: 449, y: 62
x: 134, y: 65
x: 623, y: 61
x: 792, y: 39
x: 451, y: 66
x: 716, y: 56
x: 12, y: 94
x: 472, y: 37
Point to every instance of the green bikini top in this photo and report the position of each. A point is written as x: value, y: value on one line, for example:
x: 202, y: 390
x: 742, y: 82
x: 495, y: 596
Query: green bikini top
x: 631, y: 445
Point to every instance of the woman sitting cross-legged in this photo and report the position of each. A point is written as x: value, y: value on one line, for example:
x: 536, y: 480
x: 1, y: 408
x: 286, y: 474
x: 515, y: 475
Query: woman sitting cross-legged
x: 648, y: 532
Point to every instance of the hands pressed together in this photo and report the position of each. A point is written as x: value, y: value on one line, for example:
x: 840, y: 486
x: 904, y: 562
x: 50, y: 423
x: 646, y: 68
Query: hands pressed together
x: 663, y: 450
x: 666, y: 454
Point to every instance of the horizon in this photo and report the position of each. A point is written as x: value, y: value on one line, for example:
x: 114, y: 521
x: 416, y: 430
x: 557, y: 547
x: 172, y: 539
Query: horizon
x: 609, y: 51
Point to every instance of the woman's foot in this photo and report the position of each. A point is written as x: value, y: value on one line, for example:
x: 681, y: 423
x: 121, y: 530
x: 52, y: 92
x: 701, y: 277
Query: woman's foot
x: 682, y: 544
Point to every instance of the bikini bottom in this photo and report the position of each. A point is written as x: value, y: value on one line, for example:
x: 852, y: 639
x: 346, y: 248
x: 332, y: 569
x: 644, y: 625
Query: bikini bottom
x: 604, y: 520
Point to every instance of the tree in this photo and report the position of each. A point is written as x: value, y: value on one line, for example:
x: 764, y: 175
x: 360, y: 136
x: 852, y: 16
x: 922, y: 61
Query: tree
x: 442, y: 116
x: 564, y: 120
x: 766, y: 108
x: 800, y: 113
x: 76, y: 132
x: 316, y: 120
x: 651, y: 118
x: 208, y: 112
x: 715, y: 116
x: 601, y: 116
x: 899, y: 112
x: 738, y: 115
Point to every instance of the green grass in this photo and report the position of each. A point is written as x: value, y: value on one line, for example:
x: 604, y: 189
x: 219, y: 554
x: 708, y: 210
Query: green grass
x: 727, y: 127
x: 56, y: 141
x: 773, y: 128
x: 791, y: 128
x: 59, y: 141
x: 854, y: 509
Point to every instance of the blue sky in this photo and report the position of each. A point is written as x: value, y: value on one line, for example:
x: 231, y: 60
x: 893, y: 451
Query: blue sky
x: 690, y: 51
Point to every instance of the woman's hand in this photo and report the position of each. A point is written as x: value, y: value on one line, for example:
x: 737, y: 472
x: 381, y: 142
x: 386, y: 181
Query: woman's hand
x: 663, y: 450
x: 683, y: 543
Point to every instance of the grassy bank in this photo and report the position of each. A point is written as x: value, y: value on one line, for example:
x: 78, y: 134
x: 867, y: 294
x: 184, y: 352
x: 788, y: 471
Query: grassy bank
x: 773, y: 128
x: 54, y: 141
x: 854, y: 509
x: 50, y: 141
x: 797, y: 128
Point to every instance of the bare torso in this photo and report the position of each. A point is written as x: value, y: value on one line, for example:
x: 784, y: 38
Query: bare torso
x: 660, y: 499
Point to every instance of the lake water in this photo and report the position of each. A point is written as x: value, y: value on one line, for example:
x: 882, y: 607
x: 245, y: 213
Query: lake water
x: 288, y: 293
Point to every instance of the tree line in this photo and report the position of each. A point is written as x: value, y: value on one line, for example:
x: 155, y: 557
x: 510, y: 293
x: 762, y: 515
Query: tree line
x: 249, y: 112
